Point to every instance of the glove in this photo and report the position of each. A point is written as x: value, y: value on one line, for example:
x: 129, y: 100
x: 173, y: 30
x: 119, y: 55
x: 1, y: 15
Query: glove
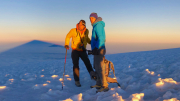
x: 89, y: 52
x: 95, y: 51
x: 66, y: 46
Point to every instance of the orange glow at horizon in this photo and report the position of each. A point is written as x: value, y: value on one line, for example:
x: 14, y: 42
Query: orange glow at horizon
x: 143, y: 35
x: 126, y: 35
x: 127, y: 40
x: 110, y: 39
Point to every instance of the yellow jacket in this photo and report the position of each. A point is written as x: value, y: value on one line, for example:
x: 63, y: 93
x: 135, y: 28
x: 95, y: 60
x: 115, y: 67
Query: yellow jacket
x: 76, y: 36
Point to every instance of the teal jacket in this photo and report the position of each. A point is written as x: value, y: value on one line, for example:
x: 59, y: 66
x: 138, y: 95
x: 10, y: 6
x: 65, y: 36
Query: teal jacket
x: 98, y: 35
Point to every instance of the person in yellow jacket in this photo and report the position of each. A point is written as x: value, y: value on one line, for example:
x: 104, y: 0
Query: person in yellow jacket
x: 80, y: 39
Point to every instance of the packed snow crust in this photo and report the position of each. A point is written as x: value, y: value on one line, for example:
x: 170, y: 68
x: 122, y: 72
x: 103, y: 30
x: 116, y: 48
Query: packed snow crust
x: 34, y: 72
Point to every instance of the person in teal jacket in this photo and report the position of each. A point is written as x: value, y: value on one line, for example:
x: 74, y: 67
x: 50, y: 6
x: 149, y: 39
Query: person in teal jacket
x: 98, y: 35
x: 98, y: 50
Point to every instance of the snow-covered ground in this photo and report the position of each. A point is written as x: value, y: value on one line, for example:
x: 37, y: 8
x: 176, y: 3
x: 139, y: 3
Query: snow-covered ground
x: 34, y: 71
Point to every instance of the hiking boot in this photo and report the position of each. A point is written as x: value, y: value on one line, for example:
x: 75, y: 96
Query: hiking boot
x: 93, y: 75
x: 77, y: 83
x: 103, y: 89
x: 96, y: 86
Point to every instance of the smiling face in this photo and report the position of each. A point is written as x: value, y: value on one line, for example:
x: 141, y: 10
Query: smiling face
x: 92, y: 19
x: 81, y: 26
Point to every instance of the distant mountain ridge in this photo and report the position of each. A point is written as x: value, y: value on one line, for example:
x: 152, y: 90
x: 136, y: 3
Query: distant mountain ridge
x: 34, y: 45
x: 34, y: 50
x: 38, y: 42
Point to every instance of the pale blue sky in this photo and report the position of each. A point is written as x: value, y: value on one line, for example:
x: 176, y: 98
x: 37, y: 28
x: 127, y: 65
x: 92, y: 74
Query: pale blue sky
x: 127, y: 21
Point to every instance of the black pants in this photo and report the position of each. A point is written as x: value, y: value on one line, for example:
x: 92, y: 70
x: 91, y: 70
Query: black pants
x: 75, y: 58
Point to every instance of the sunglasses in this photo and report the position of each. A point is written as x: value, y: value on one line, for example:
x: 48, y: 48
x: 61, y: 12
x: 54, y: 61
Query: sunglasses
x: 82, y: 24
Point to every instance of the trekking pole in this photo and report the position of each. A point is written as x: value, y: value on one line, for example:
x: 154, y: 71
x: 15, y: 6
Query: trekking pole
x: 64, y: 69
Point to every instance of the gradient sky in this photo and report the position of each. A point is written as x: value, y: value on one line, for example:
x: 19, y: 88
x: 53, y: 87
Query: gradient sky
x: 127, y: 21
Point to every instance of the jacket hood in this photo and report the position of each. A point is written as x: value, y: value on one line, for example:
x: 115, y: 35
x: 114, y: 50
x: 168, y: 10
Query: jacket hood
x: 99, y: 20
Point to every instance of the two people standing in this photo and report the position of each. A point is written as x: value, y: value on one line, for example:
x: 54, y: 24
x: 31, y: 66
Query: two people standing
x: 80, y: 39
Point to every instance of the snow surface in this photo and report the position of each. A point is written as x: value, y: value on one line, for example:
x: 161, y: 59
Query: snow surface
x: 34, y: 71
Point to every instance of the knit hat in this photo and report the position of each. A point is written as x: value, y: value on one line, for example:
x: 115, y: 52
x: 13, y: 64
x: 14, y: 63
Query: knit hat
x: 83, y: 22
x: 93, y: 15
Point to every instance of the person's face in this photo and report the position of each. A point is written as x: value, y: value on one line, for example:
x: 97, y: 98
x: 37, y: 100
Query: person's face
x: 92, y: 19
x: 81, y: 26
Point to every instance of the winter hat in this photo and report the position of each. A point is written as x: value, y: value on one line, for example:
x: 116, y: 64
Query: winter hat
x: 83, y: 22
x: 93, y: 15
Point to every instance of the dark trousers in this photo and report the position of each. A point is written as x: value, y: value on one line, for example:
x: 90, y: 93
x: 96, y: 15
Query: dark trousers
x: 75, y: 55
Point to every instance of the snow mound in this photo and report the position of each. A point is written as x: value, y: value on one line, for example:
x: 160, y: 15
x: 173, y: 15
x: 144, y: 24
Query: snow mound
x: 35, y: 71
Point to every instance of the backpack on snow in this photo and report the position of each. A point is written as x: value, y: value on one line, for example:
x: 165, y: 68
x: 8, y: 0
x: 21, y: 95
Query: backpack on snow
x: 109, y: 66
